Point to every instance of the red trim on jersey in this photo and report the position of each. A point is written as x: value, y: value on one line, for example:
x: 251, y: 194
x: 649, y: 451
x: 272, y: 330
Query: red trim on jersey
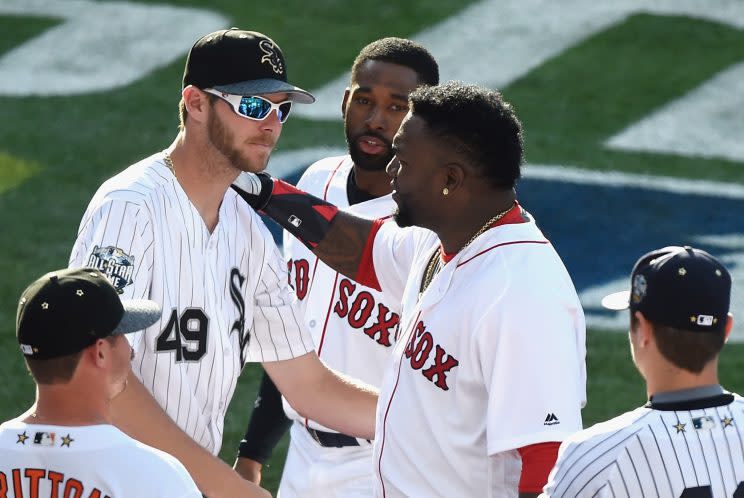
x: 502, y: 244
x: 328, y: 314
x: 326, y: 211
x: 366, y: 273
x: 387, y: 410
x: 282, y: 188
x: 512, y: 217
x: 330, y: 179
x: 537, y: 462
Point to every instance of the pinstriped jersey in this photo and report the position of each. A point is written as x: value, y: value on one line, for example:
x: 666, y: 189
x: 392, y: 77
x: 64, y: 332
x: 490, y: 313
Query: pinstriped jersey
x: 85, y: 461
x: 696, y: 452
x: 489, y: 358
x: 224, y: 294
x: 352, y: 326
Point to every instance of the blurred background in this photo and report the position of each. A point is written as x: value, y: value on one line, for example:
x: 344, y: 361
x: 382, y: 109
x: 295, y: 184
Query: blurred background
x: 632, y: 112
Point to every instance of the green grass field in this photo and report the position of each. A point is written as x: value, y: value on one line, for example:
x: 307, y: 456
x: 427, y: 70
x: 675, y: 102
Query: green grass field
x: 56, y: 150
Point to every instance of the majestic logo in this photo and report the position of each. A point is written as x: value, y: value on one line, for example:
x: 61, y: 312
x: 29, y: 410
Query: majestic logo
x: 271, y: 56
x: 639, y: 288
x: 238, y: 326
x: 551, y: 419
x: 44, y: 438
x: 117, y: 265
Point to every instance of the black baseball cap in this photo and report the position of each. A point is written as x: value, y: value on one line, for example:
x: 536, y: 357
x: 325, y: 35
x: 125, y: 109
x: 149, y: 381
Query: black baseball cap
x: 240, y: 63
x: 65, y: 311
x: 681, y: 287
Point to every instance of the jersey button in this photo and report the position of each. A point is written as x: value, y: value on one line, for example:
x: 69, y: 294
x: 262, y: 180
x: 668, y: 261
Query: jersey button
x: 312, y: 323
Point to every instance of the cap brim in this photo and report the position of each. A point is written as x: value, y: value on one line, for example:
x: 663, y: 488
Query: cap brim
x: 138, y: 315
x: 617, y: 301
x: 266, y: 86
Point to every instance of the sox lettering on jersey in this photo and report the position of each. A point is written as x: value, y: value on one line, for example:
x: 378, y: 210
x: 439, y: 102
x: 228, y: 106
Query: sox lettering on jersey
x: 361, y: 310
x: 238, y: 326
x: 72, y: 487
x: 418, y: 351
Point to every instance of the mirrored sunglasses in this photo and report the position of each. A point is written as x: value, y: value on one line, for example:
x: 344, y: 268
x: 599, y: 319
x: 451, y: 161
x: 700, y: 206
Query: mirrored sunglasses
x: 254, y: 107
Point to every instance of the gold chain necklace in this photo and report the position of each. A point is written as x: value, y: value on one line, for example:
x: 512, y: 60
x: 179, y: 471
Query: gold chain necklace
x: 435, y: 262
x: 169, y: 162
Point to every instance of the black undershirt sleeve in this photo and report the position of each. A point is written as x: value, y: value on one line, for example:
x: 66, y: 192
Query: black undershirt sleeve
x: 267, y: 424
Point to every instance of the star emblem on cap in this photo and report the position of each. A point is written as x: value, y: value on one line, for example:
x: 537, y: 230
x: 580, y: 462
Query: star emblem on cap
x: 45, y: 305
x: 693, y: 319
x: 23, y: 300
x: 680, y: 427
x: 79, y: 292
x: 727, y: 422
x: 66, y: 440
x: 718, y: 273
x: 682, y: 272
x: 22, y: 438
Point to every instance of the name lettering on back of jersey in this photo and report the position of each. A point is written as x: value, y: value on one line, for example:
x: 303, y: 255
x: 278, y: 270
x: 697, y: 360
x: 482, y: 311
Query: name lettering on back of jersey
x: 113, y: 262
x: 238, y: 326
x: 361, y: 310
x: 31, y: 479
x: 419, y: 352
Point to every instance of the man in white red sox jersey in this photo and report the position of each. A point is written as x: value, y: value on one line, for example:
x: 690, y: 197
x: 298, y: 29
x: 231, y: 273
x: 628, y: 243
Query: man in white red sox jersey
x: 170, y: 229
x: 487, y: 374
x: 352, y: 325
x: 688, y: 440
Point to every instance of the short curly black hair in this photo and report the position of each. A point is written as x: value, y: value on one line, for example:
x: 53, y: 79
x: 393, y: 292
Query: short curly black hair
x: 403, y: 52
x: 478, y: 123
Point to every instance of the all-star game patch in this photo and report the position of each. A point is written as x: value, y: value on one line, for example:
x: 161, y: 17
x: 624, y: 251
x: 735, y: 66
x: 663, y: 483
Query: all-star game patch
x: 117, y: 265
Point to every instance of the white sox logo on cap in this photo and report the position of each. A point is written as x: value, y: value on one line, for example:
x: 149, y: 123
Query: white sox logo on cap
x: 271, y: 56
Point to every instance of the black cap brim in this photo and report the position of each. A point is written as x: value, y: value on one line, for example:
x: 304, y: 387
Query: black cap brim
x: 266, y: 86
x: 138, y: 315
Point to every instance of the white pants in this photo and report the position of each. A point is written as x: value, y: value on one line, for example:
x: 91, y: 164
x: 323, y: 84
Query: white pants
x: 312, y: 471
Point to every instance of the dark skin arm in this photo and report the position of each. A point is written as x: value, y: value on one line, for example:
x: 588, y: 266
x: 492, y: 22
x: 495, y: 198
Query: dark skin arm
x: 342, y: 247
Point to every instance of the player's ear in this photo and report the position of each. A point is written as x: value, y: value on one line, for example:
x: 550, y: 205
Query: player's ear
x: 644, y: 330
x: 345, y: 101
x: 196, y: 102
x: 455, y: 176
x: 729, y: 325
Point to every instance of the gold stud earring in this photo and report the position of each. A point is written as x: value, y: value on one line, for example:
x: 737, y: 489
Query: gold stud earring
x: 445, y: 191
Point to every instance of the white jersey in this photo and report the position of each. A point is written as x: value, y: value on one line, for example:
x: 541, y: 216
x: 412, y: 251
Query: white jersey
x: 224, y: 294
x: 352, y: 326
x: 353, y: 329
x: 695, y: 452
x: 489, y: 359
x: 95, y: 461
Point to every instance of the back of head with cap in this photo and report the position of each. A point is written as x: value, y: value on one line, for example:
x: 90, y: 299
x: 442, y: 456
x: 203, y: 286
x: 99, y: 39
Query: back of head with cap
x: 685, y: 293
x: 65, y: 311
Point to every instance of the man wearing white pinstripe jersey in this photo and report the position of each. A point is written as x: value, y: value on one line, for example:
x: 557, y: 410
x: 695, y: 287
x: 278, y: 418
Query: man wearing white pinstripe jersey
x: 688, y: 440
x: 168, y: 228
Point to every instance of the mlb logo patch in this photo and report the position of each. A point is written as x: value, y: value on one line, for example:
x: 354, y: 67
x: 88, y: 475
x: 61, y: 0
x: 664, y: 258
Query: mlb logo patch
x: 295, y: 221
x: 44, y: 438
x: 705, y: 320
x: 703, y: 423
x: 26, y: 349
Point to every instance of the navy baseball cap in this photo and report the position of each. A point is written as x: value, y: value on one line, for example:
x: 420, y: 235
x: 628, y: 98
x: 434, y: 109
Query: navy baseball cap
x: 240, y: 63
x: 65, y: 311
x: 681, y: 287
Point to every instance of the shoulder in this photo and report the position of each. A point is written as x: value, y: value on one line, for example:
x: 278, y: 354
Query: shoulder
x: 619, y: 428
x: 136, y: 184
x: 320, y: 173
